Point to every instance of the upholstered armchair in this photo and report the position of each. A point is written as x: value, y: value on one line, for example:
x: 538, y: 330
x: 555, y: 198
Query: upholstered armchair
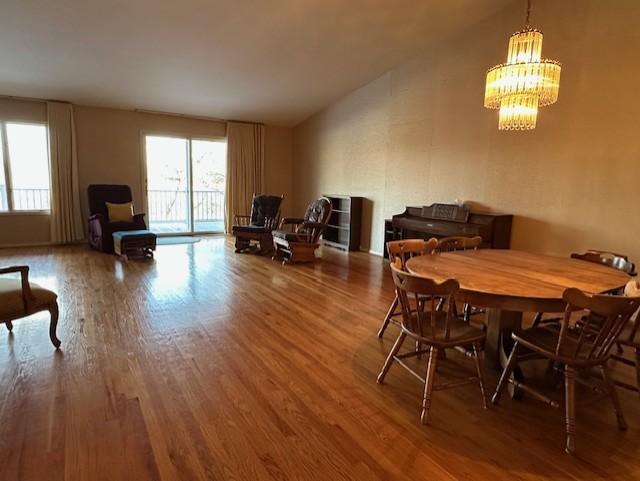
x: 100, y: 228
x: 19, y: 298
x: 264, y: 217
x: 296, y: 240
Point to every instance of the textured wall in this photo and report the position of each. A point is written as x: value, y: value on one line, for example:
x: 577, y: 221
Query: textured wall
x: 419, y: 134
x: 278, y: 169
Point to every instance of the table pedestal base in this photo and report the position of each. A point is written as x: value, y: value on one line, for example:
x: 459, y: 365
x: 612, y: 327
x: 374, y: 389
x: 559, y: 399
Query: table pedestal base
x: 500, y: 324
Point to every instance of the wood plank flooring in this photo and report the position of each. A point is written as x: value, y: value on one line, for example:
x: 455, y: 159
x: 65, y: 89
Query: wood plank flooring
x: 209, y: 365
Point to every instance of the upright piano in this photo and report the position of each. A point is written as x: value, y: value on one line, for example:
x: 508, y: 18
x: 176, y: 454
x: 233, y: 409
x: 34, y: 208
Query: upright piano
x: 443, y: 220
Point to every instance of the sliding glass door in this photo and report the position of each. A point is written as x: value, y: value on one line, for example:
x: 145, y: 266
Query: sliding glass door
x: 208, y: 171
x: 185, y: 184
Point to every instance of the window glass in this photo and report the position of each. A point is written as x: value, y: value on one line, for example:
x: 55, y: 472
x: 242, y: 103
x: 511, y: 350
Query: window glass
x: 29, y: 166
x: 167, y: 183
x: 209, y: 169
x: 3, y: 184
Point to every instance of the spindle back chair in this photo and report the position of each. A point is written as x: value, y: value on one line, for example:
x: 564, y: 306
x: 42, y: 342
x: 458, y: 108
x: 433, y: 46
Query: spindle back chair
x: 437, y: 329
x: 461, y: 243
x: 611, y: 259
x: 458, y: 243
x: 403, y: 250
x: 586, y: 345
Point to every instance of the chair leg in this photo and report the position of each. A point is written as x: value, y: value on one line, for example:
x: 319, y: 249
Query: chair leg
x: 9, y: 325
x: 570, y: 408
x: 466, y: 312
x: 611, y: 390
x: 390, y: 358
x: 478, y: 357
x: 387, y: 318
x: 428, y: 385
x: 537, y: 319
x: 53, y: 310
x: 266, y: 244
x: 418, y: 343
x: 241, y: 244
x: 637, y: 353
x: 504, y: 377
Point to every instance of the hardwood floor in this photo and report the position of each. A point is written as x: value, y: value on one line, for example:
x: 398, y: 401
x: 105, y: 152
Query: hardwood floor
x: 209, y: 365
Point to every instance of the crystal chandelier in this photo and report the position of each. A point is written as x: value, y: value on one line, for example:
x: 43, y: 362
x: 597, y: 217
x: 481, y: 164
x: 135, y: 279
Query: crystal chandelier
x: 524, y: 83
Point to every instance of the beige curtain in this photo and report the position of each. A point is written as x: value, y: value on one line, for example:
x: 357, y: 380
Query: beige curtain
x: 245, y: 159
x: 66, y: 220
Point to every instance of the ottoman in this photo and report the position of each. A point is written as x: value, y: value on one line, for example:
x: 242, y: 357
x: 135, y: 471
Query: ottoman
x: 134, y: 243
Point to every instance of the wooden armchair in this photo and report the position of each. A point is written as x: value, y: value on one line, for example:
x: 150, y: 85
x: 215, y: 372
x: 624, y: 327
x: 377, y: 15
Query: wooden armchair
x: 585, y: 346
x: 19, y: 298
x: 297, y: 238
x: 609, y: 259
x: 630, y: 340
x: 461, y: 243
x: 264, y: 217
x: 403, y: 250
x: 458, y: 243
x: 437, y: 329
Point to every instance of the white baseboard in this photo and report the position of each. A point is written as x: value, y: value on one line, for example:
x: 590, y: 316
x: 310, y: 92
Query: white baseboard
x: 372, y: 252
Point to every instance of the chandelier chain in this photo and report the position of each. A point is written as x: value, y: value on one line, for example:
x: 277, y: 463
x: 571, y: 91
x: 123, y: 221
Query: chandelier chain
x: 526, y: 22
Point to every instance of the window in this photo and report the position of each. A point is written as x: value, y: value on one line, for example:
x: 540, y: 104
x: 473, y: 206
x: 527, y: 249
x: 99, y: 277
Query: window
x: 24, y: 158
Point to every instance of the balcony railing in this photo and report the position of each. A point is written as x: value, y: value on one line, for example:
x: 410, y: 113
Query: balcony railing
x: 172, y: 206
x: 26, y: 199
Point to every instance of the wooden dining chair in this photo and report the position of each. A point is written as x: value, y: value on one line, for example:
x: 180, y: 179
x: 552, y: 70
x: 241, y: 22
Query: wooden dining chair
x: 630, y: 340
x: 586, y: 346
x: 461, y: 243
x: 610, y: 259
x: 403, y: 250
x: 458, y: 243
x: 436, y: 329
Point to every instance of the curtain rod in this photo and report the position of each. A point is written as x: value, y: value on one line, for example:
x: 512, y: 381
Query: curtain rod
x: 197, y: 117
x: 245, y: 122
x: 175, y: 114
x: 142, y: 111
x: 31, y: 99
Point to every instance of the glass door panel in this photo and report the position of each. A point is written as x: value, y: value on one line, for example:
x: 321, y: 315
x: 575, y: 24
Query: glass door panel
x: 4, y: 201
x: 168, y: 199
x: 208, y: 168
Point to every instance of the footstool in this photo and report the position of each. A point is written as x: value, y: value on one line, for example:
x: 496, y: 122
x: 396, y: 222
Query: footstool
x: 134, y: 243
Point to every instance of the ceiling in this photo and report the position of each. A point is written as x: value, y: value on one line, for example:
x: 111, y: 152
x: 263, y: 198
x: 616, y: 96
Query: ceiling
x: 274, y: 61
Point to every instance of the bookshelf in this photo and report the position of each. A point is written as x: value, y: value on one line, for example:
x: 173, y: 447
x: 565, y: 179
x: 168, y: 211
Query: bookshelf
x: 343, y: 231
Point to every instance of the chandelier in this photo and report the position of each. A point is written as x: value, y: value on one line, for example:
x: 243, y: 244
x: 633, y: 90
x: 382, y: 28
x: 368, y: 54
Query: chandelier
x: 524, y: 83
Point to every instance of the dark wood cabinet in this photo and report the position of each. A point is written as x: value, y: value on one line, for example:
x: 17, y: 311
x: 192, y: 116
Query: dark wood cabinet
x: 344, y: 229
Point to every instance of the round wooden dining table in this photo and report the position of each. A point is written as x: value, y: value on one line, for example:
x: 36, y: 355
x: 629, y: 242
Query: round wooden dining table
x: 508, y: 282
